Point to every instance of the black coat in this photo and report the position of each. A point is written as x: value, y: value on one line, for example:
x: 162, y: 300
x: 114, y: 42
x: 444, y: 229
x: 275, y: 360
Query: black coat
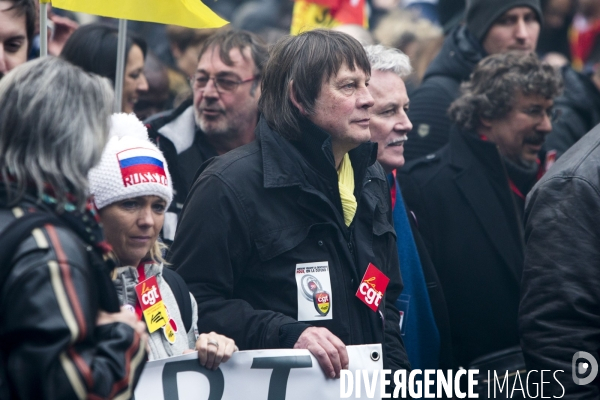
x: 560, y: 304
x: 429, y: 104
x: 467, y: 217
x: 258, y: 211
x: 580, y: 108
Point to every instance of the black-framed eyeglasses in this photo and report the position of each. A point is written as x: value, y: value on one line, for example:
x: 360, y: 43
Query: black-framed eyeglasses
x: 538, y: 113
x: 221, y: 84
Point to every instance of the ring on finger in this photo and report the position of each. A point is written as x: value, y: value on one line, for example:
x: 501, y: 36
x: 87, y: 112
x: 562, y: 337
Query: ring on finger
x: 214, y: 343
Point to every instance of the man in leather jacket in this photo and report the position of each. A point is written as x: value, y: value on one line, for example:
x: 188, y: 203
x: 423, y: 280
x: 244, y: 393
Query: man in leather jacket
x: 559, y: 314
x: 276, y: 236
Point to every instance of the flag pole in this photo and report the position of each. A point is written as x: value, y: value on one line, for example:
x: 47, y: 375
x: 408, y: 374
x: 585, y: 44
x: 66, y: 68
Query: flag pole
x: 121, y: 44
x: 44, y: 28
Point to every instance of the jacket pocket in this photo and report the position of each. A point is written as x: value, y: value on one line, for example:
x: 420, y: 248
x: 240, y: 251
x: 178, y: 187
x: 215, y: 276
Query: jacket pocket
x: 277, y: 242
x: 381, y: 224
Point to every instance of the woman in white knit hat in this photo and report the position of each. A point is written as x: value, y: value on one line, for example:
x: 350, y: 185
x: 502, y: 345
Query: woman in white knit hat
x: 132, y: 189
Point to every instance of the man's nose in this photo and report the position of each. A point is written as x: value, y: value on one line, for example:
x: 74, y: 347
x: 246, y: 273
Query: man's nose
x: 403, y: 123
x: 545, y: 124
x: 521, y: 32
x: 210, y: 90
x: 365, y: 100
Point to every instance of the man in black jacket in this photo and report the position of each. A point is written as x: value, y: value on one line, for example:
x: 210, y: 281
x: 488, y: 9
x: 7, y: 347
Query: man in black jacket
x: 580, y: 110
x: 221, y: 117
x: 468, y: 198
x: 492, y: 27
x: 559, y: 313
x: 280, y: 239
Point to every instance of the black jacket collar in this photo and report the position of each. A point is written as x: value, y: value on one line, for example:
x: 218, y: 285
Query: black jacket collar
x: 287, y: 163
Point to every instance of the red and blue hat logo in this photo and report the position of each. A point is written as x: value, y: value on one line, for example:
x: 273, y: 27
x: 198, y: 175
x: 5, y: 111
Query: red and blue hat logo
x: 141, y: 165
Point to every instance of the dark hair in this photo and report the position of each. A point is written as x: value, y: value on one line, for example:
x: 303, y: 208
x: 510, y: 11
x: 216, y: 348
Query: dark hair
x: 93, y: 47
x: 26, y: 7
x: 495, y: 83
x: 227, y: 39
x: 308, y: 60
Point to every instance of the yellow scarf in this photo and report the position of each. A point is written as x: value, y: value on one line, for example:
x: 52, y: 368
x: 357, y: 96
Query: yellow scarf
x: 346, y: 185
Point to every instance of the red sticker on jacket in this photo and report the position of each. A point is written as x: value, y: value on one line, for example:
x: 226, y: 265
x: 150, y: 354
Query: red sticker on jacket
x: 372, y: 288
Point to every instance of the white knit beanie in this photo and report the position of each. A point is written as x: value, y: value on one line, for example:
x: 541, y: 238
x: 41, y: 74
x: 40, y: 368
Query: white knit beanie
x: 131, y: 165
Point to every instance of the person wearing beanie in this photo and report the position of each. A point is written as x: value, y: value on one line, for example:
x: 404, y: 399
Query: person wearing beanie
x: 132, y: 188
x: 492, y: 27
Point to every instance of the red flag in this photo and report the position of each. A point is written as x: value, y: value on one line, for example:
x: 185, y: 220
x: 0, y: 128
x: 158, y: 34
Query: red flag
x: 313, y: 14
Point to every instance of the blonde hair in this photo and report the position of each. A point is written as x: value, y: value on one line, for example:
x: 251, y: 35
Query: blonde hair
x: 156, y: 252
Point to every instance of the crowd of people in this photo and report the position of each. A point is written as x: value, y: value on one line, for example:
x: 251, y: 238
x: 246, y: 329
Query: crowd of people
x: 431, y: 186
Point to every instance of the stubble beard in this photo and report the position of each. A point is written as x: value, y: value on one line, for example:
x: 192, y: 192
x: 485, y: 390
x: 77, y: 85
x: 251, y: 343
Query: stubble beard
x: 218, y: 127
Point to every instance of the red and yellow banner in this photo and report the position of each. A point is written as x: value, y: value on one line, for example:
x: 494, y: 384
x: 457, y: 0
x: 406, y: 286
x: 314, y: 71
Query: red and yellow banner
x: 313, y: 14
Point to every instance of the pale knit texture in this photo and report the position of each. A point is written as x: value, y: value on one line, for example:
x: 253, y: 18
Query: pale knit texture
x: 131, y: 165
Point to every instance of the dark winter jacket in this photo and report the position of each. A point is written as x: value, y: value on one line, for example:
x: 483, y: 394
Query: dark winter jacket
x: 185, y: 148
x: 259, y: 211
x: 468, y: 220
x: 429, y: 104
x: 580, y: 108
x: 50, y: 345
x: 559, y: 313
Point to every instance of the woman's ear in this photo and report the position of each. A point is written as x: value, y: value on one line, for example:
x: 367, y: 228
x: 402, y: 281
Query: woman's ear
x: 294, y: 100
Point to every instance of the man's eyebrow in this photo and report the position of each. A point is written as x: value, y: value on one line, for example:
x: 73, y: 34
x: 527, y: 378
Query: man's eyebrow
x: 227, y: 73
x: 17, y: 37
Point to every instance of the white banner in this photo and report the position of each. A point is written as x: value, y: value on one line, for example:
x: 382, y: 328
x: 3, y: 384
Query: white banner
x: 255, y: 375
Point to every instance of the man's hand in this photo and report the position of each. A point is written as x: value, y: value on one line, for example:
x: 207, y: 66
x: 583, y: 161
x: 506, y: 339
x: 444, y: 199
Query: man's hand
x: 327, y: 348
x: 213, y: 349
x: 63, y: 29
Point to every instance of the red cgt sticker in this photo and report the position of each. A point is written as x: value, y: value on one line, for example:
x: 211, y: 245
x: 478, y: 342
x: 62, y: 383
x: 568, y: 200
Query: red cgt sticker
x: 373, y: 285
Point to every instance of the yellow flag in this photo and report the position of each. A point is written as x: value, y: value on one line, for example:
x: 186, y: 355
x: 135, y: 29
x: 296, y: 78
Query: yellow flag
x: 188, y: 13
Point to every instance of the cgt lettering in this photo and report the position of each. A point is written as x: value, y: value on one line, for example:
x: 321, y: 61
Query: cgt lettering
x: 323, y: 298
x: 151, y: 296
x: 371, y: 295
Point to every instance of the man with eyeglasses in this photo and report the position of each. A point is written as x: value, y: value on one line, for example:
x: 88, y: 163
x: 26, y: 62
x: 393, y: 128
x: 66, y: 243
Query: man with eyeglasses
x: 220, y: 117
x: 468, y: 199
